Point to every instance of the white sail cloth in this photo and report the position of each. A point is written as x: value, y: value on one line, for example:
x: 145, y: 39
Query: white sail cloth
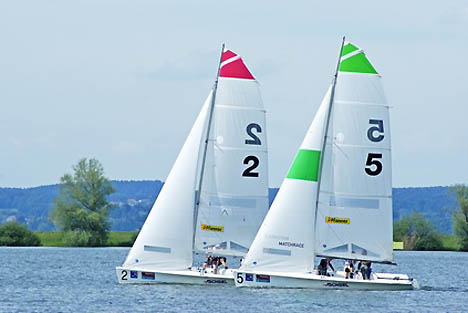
x: 234, y: 180
x: 165, y: 240
x: 353, y: 217
x: 356, y: 189
x: 234, y: 193
x: 285, y: 241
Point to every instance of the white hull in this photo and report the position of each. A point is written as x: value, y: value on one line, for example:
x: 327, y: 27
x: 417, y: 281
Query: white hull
x: 379, y: 281
x: 188, y: 276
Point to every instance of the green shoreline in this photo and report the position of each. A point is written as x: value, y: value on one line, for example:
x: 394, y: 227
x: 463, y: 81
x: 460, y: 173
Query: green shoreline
x: 125, y: 239
x: 116, y: 239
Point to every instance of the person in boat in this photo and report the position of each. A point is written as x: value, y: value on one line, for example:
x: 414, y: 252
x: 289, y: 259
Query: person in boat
x: 368, y: 270
x: 324, y: 265
x: 330, y: 265
x: 209, y: 261
x: 218, y: 261
x: 348, y: 270
x: 365, y: 269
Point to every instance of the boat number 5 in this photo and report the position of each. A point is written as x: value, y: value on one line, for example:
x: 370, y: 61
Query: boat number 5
x: 240, y: 279
x: 372, y: 159
x: 371, y: 132
x: 374, y: 134
x: 124, y: 275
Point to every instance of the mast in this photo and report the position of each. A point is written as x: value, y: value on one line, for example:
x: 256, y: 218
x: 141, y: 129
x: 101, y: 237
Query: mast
x: 332, y: 95
x: 202, y: 170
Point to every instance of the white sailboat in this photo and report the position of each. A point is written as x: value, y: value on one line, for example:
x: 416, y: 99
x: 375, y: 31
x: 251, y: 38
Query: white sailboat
x: 216, y: 195
x: 336, y: 200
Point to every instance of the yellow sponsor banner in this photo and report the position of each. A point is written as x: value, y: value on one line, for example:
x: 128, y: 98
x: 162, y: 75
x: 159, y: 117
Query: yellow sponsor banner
x: 337, y: 220
x: 218, y: 229
x: 398, y: 245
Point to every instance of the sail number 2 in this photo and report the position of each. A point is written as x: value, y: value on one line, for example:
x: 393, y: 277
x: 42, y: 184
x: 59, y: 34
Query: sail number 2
x: 252, y: 160
x: 375, y: 133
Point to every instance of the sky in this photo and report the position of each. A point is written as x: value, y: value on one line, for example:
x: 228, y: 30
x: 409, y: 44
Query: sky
x: 123, y: 81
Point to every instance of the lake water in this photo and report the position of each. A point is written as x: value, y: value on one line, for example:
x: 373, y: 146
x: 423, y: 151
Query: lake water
x: 84, y: 280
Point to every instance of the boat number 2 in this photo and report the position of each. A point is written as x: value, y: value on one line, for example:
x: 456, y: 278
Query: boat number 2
x: 124, y: 275
x: 240, y: 279
x: 375, y: 133
x: 248, y: 171
x: 252, y: 160
x: 255, y: 140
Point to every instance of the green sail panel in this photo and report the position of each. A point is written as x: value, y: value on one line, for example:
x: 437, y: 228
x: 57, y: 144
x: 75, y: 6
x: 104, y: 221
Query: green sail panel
x: 348, y: 48
x: 305, y: 165
x: 357, y: 64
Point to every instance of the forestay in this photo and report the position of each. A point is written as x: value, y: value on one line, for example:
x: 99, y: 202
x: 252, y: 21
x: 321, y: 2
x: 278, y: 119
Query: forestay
x: 164, y: 241
x: 354, y: 215
x: 234, y: 190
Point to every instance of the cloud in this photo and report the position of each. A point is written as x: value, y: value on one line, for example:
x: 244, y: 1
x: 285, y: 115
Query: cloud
x: 15, y: 141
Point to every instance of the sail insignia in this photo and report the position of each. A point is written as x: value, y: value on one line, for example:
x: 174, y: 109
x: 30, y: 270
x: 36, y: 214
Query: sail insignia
x: 354, y: 60
x: 232, y: 66
x: 305, y: 165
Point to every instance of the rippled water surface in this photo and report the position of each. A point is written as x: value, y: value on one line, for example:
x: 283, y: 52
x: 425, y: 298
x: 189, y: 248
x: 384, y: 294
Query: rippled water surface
x: 84, y: 280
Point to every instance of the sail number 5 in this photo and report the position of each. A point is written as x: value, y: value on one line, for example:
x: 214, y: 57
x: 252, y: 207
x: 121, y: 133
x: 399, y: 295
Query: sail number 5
x: 371, y: 132
x: 375, y: 133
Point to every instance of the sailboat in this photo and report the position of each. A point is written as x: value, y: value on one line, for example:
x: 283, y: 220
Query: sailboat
x: 216, y: 194
x: 336, y: 201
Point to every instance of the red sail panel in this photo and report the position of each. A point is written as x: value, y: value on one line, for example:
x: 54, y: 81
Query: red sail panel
x: 234, y: 69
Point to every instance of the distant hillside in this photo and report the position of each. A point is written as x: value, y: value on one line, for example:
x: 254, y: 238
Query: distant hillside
x: 133, y: 200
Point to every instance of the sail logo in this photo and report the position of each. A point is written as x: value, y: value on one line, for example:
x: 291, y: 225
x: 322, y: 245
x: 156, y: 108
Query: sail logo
x: 213, y: 228
x: 336, y: 284
x: 291, y: 244
x: 337, y: 220
x: 262, y: 278
x: 148, y: 275
x: 215, y: 281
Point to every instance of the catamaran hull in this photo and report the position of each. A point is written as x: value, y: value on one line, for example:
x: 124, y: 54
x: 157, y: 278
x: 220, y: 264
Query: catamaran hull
x: 189, y: 276
x: 312, y: 281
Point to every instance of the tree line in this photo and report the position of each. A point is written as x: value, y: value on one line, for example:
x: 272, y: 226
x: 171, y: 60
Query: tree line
x: 417, y: 233
x: 81, y: 212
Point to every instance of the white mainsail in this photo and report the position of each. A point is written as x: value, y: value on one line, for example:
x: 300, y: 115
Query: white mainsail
x: 164, y: 241
x: 354, y: 215
x: 234, y: 192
